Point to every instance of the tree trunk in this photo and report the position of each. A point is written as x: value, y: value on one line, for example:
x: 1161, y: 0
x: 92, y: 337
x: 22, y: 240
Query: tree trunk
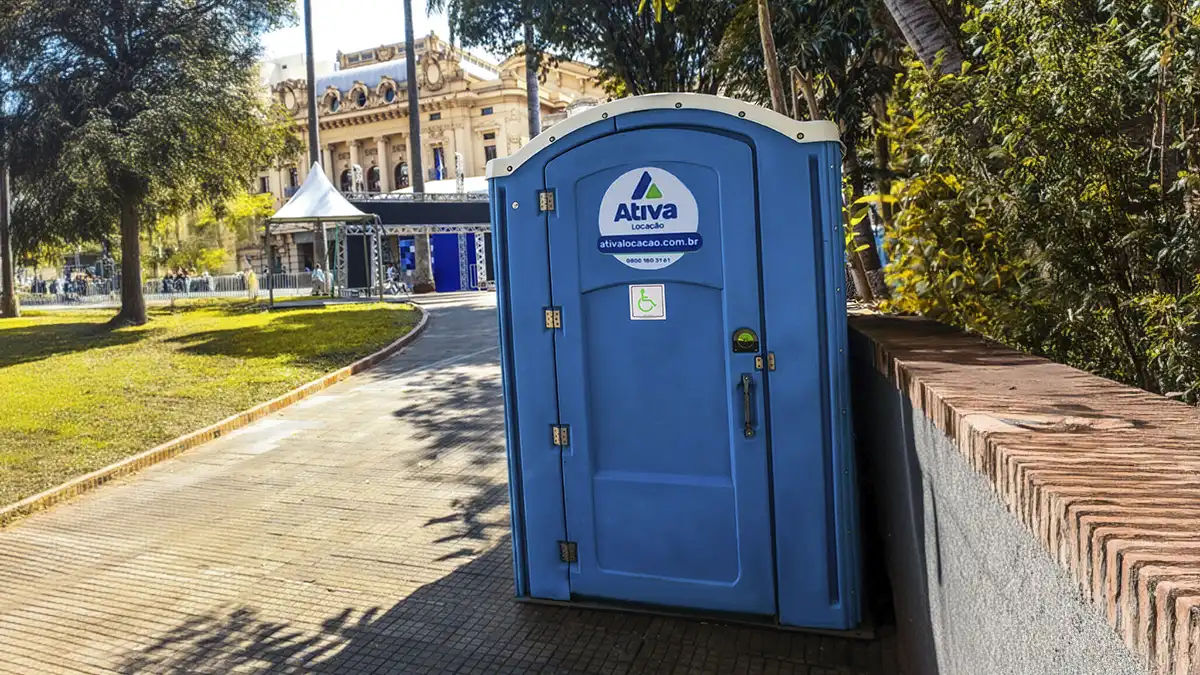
x: 883, y: 177
x: 864, y: 236
x: 532, y: 104
x: 926, y: 33
x: 774, y: 77
x: 810, y: 97
x: 314, y: 138
x: 423, y: 258
x: 133, y: 303
x: 858, y: 273
x: 321, y: 252
x: 9, y: 307
x: 1145, y: 381
x: 423, y: 274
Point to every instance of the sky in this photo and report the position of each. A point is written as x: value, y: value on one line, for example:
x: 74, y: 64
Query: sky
x: 350, y: 25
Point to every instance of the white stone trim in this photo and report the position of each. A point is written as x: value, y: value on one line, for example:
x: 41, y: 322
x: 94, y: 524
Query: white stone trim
x: 802, y: 132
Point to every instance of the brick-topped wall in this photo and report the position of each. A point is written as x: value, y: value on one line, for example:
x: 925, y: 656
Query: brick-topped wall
x: 1100, y: 480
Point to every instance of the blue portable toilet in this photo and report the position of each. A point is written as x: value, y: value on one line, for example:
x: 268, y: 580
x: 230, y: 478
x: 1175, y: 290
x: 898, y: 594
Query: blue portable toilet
x: 672, y: 325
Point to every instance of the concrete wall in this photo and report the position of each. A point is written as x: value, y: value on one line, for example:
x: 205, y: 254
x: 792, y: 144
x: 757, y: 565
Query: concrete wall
x: 975, y: 592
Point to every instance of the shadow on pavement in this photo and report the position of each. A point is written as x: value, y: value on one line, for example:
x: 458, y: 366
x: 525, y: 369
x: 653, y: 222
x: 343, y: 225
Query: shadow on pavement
x: 468, y: 621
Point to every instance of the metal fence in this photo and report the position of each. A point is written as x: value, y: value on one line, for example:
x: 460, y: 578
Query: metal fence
x: 225, y: 285
x: 165, y: 288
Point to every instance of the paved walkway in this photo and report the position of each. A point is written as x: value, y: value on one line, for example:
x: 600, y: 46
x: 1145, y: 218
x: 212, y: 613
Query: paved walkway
x: 362, y: 530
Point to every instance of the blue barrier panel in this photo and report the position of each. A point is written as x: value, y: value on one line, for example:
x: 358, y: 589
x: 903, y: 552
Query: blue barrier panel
x: 444, y: 250
x: 672, y: 319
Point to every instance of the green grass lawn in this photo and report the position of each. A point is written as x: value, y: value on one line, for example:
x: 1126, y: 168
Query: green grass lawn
x: 75, y: 396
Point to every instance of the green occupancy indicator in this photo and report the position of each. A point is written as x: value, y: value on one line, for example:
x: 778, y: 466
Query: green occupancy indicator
x: 744, y: 341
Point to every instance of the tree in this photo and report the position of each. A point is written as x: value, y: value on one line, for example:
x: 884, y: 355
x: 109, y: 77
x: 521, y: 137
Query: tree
x: 9, y: 307
x: 147, y: 109
x: 1047, y: 192
x: 640, y: 52
x: 839, y: 58
x: 927, y: 33
x: 506, y: 27
x: 13, y: 48
x: 209, y: 236
x: 771, y: 58
x: 422, y: 255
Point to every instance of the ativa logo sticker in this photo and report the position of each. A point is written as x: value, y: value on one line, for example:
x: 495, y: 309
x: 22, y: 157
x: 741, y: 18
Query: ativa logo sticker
x: 648, y: 219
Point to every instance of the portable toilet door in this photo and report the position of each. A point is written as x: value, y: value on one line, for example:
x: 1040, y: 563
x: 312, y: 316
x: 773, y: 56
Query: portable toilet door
x: 647, y: 427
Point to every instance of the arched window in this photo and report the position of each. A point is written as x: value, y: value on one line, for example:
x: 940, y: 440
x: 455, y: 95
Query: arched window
x: 360, y: 97
x: 373, y: 178
x: 401, y: 175
x: 333, y: 101
x: 386, y: 90
x: 347, y: 181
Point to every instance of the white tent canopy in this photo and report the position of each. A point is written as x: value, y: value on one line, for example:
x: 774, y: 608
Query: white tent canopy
x: 471, y: 185
x: 318, y: 201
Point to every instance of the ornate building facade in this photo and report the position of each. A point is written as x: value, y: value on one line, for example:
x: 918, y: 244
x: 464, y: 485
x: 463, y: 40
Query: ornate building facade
x: 469, y: 106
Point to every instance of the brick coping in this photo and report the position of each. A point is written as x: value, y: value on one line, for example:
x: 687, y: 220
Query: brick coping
x: 171, y: 448
x: 1105, y: 476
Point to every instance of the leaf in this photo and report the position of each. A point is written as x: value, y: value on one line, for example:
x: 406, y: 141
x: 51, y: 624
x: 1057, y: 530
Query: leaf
x: 876, y: 199
x: 658, y: 7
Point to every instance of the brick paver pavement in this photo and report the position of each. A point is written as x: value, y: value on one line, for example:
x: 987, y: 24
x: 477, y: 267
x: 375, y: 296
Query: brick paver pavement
x: 362, y: 530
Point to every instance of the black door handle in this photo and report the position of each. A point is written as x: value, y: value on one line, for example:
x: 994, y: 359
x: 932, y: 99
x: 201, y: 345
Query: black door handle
x: 747, y: 385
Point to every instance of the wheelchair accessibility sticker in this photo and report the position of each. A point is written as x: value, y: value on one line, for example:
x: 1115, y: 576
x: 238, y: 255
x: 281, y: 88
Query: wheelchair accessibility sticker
x: 647, y: 301
x: 648, y: 219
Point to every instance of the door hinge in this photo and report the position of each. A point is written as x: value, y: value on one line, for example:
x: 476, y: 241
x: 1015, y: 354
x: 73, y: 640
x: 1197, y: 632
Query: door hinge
x: 758, y: 361
x: 553, y: 317
x: 560, y: 434
x: 568, y: 551
x: 545, y: 200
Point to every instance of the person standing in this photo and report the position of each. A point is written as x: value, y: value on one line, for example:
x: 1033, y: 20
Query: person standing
x: 251, y: 284
x: 318, y: 281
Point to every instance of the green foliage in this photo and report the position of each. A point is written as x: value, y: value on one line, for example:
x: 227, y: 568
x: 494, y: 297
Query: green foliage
x: 659, y: 6
x: 1050, y: 195
x: 835, y: 44
x: 246, y: 212
x: 151, y: 108
x: 194, y: 256
x: 206, y: 237
x: 642, y: 52
x: 498, y: 25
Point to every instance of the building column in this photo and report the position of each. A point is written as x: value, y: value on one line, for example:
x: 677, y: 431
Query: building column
x: 412, y: 152
x: 385, y: 170
x: 355, y: 159
x: 464, y: 142
x: 502, y: 149
x: 398, y: 156
x: 327, y: 159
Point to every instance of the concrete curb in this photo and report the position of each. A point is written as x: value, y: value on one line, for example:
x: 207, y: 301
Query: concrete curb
x: 129, y: 465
